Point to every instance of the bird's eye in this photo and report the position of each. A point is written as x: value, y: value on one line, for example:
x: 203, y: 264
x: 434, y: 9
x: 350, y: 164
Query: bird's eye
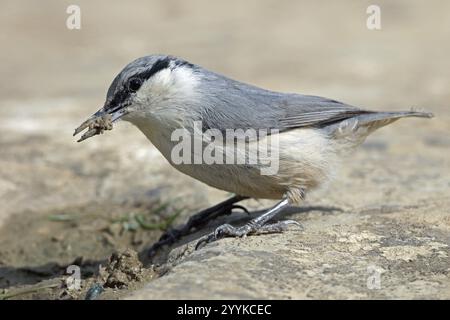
x: 134, y: 84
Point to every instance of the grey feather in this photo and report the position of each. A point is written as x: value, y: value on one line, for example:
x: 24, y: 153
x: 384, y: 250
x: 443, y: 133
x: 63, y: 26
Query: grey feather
x: 231, y: 104
x: 228, y: 103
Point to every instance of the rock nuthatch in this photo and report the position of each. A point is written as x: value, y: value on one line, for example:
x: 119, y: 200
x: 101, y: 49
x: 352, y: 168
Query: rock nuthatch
x: 161, y: 94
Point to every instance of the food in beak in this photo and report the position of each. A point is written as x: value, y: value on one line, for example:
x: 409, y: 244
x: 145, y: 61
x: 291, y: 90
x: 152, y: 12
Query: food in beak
x: 96, y: 125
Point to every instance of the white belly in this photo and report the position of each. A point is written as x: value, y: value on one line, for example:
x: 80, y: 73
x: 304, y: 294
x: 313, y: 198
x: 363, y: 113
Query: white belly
x: 305, y: 159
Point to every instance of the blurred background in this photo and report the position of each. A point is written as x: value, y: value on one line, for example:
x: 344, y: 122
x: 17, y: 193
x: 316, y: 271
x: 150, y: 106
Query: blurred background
x: 52, y: 78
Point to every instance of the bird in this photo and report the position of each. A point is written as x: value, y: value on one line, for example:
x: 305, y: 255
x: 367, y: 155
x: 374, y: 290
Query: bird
x: 163, y: 94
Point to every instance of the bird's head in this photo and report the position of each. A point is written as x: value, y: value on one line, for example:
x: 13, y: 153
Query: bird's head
x: 149, y: 87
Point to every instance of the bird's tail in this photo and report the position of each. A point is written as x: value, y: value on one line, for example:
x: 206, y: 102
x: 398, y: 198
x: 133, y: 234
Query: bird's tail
x: 377, y: 120
x: 353, y: 131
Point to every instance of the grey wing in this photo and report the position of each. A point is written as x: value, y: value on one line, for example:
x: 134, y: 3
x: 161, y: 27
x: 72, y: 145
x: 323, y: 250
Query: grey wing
x: 269, y: 110
x: 313, y: 111
x: 230, y: 104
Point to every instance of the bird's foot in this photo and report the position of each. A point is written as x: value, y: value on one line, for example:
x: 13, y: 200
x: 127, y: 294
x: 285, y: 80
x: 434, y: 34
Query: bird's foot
x: 227, y: 230
x: 167, y: 238
x: 195, y: 222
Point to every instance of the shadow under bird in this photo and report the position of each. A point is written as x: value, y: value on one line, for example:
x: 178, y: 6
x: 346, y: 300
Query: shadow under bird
x: 160, y: 94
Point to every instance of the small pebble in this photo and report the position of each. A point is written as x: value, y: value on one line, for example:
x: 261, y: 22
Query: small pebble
x: 94, y: 292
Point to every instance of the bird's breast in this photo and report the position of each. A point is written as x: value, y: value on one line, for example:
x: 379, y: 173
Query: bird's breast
x: 301, y: 159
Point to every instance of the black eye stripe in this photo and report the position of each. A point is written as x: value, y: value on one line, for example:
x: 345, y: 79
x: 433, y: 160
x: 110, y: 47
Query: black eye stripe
x: 157, y: 66
x: 134, y: 83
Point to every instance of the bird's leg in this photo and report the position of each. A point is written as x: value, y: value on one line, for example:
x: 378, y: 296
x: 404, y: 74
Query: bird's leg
x: 254, y: 226
x: 198, y: 220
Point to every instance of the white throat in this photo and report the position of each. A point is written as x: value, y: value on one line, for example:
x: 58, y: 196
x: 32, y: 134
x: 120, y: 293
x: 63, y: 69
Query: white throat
x: 162, y: 103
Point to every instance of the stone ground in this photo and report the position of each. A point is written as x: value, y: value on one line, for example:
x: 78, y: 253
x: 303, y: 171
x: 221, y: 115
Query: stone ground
x: 381, y: 230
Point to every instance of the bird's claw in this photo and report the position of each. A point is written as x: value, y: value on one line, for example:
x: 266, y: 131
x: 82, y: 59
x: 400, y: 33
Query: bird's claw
x: 168, y: 237
x: 205, y: 240
x: 227, y: 230
x: 236, y: 206
x: 195, y: 222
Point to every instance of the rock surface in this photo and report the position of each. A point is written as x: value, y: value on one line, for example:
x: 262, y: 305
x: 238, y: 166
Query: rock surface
x: 381, y: 230
x: 381, y: 252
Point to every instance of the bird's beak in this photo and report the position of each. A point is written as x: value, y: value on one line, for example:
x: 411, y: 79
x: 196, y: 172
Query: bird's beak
x: 99, y: 122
